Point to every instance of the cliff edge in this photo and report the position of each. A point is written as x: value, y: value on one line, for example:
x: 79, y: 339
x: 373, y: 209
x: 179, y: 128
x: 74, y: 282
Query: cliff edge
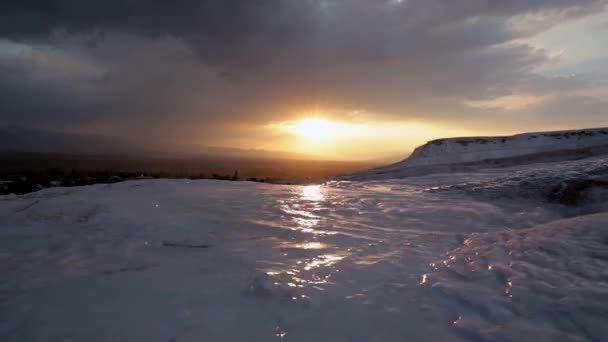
x: 466, y: 154
x: 465, y: 150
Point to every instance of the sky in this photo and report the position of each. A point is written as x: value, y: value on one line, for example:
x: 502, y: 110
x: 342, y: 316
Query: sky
x: 342, y: 79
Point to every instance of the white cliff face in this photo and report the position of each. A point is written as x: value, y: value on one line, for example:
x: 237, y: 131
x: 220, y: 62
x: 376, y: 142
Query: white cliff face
x: 464, y: 150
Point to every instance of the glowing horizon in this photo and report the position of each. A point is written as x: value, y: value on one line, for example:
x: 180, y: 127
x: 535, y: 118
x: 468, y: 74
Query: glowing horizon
x: 319, y: 135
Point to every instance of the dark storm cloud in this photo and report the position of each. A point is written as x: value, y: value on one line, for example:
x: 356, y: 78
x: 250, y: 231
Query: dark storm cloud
x: 181, y: 62
x: 226, y: 25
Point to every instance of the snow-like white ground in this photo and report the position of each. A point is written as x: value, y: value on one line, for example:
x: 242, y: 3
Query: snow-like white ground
x: 465, y: 150
x: 479, y: 256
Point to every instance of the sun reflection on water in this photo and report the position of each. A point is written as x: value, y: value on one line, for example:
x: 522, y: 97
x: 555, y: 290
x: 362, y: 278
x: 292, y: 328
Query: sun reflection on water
x: 310, y: 262
x: 323, y: 260
x: 312, y: 193
x: 301, y: 209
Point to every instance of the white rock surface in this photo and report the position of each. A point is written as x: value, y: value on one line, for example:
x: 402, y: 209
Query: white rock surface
x: 464, y: 150
x: 478, y: 256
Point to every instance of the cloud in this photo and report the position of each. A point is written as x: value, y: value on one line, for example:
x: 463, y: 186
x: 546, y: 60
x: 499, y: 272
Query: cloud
x: 83, y: 76
x: 199, y: 66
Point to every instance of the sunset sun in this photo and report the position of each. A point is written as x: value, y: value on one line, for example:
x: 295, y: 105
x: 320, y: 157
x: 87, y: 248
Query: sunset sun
x: 315, y: 129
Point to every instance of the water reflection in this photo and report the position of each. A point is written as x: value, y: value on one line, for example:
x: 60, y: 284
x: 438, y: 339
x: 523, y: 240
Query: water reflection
x: 310, y: 259
x: 312, y: 193
x: 312, y: 245
x: 316, y: 270
x: 301, y: 209
x: 305, y: 245
x: 323, y: 260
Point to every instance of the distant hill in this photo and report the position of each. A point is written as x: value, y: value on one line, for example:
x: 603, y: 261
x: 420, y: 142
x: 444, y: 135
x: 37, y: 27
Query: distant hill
x: 19, y: 139
x: 463, y: 150
x: 470, y: 153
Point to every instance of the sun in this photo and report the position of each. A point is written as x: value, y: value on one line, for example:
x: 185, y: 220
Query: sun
x: 314, y: 129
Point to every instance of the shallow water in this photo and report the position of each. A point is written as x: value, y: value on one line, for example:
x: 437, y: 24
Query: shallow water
x: 460, y: 257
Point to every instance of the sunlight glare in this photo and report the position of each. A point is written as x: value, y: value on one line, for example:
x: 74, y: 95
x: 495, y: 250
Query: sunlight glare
x: 315, y: 129
x: 312, y: 193
x: 352, y: 139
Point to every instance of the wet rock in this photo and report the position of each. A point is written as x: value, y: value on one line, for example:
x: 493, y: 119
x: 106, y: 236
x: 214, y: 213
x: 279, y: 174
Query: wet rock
x: 261, y: 286
x: 183, y: 245
x: 571, y: 192
x: 267, y: 287
x: 128, y: 269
